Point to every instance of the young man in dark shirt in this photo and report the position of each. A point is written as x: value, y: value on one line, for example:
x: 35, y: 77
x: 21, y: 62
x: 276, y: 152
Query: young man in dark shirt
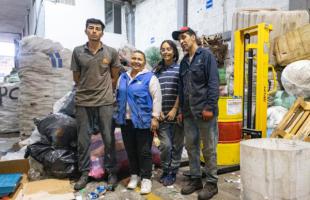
x: 95, y: 69
x: 199, y: 92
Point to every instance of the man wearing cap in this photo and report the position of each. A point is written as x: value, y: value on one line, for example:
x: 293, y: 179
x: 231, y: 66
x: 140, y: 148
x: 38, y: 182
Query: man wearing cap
x: 199, y: 92
x: 95, y: 69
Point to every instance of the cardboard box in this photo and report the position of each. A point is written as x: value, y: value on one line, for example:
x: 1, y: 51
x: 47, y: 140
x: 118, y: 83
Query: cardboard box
x: 16, y: 166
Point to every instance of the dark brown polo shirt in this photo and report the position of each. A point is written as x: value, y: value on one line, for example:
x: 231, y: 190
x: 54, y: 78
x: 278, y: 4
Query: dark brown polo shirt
x: 95, y: 86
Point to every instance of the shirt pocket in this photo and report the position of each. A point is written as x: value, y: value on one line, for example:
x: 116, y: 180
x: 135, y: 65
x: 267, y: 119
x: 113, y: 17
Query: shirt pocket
x: 198, y: 73
x: 104, y: 66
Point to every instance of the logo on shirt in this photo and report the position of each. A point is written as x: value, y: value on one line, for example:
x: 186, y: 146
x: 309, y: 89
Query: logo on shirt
x: 105, y: 61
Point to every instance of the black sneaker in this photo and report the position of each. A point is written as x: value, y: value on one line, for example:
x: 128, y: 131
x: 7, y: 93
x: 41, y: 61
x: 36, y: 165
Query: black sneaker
x: 82, y: 182
x: 208, y: 191
x: 112, y: 181
x: 193, y: 185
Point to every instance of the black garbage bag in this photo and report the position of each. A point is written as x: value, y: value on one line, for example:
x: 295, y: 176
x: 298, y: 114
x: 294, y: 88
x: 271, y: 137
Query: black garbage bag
x: 60, y: 130
x: 59, y: 163
x: 68, y: 106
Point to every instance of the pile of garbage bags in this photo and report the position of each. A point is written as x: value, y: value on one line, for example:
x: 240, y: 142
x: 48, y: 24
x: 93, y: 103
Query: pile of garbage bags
x: 56, y: 150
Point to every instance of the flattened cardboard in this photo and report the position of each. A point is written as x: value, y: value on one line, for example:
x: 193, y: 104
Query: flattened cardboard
x: 48, y: 189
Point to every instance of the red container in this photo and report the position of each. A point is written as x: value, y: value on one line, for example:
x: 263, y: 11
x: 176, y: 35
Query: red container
x: 230, y: 132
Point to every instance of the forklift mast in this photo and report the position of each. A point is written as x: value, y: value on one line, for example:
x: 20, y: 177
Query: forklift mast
x: 249, y: 53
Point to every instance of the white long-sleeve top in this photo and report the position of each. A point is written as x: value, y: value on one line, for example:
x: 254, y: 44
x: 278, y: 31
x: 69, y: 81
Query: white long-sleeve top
x: 155, y: 91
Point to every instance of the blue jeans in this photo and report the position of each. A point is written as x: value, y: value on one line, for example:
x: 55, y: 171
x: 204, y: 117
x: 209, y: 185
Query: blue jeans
x: 197, y: 130
x: 171, y: 137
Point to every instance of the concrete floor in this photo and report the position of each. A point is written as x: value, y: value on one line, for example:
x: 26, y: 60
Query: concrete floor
x: 229, y: 183
x: 229, y: 189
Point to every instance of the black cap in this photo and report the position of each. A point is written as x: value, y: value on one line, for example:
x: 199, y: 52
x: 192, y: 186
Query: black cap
x: 175, y: 34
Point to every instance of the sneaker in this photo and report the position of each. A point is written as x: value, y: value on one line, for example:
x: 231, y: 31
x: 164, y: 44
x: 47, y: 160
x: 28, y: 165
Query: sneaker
x: 208, y: 191
x: 134, y: 179
x: 146, y: 186
x: 82, y: 182
x: 170, y: 179
x: 163, y: 177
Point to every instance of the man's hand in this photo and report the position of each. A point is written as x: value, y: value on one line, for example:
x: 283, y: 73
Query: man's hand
x: 207, y: 115
x: 154, y: 124
x: 180, y: 118
x: 171, y: 114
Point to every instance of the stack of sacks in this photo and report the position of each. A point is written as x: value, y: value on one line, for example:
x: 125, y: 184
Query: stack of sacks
x: 45, y: 77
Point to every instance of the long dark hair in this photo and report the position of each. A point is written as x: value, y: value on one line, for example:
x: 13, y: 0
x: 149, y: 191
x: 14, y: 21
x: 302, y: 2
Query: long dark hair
x: 161, y: 63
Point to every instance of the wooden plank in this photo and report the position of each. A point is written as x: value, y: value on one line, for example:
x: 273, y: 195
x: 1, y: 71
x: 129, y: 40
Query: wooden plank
x: 294, y: 120
x: 300, y: 122
x: 278, y: 134
x: 288, y: 115
x: 304, y: 130
x: 305, y: 105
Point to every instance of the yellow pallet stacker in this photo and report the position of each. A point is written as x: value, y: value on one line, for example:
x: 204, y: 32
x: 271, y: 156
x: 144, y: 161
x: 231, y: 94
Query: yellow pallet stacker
x: 250, y: 53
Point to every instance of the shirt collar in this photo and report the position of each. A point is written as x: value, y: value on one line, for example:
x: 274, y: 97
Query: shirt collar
x: 198, y: 51
x: 145, y: 70
x: 86, y: 46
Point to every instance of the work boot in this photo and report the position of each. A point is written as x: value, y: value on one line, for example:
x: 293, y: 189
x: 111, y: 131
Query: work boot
x: 208, y: 191
x: 112, y: 181
x: 193, y: 185
x: 82, y: 182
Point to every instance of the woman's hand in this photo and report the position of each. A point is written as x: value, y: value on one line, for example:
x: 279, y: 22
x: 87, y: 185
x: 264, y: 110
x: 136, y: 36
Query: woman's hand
x: 171, y: 114
x: 154, y: 124
x: 161, y: 117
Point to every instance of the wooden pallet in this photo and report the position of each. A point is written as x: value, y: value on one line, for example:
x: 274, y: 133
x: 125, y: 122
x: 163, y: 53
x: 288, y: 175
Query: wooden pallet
x: 296, y: 122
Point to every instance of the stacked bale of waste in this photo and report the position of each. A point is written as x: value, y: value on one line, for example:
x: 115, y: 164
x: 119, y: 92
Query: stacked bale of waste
x: 45, y: 77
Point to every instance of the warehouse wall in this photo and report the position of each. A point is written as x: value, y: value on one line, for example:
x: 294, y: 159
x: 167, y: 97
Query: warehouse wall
x: 66, y: 23
x: 37, y: 19
x: 155, y: 20
x: 150, y: 15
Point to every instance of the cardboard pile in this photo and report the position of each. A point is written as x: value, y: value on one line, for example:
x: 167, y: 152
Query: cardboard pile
x: 48, y: 189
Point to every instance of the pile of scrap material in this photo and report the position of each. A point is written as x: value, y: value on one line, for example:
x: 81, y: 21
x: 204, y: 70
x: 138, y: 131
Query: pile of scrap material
x: 45, y: 77
x: 217, y: 46
x: 293, y: 46
x: 281, y: 21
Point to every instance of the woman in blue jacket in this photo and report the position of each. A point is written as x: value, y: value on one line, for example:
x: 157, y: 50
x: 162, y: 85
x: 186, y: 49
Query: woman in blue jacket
x: 139, y: 106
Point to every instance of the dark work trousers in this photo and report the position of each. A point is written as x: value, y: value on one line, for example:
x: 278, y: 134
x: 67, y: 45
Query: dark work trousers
x: 93, y: 120
x: 138, y: 145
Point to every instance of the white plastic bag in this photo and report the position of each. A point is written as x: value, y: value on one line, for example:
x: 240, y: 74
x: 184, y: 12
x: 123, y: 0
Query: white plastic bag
x: 274, y: 116
x: 296, y: 78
